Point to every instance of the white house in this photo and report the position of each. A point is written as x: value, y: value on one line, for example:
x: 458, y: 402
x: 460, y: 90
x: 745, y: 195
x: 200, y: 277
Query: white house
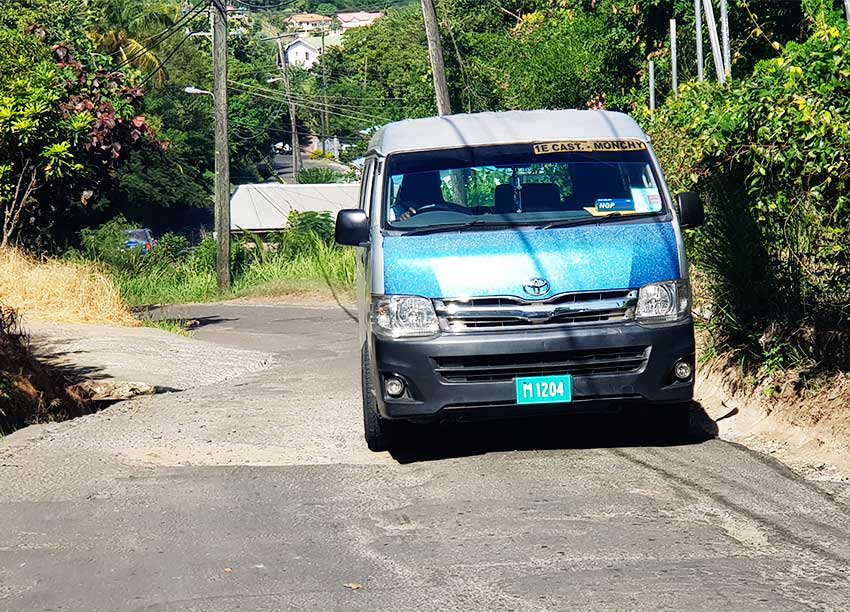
x: 305, y: 22
x: 302, y: 54
x: 357, y: 19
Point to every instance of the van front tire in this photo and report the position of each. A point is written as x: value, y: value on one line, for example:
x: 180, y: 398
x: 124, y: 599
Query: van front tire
x: 379, y: 432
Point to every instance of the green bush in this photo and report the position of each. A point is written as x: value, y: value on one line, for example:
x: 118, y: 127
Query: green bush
x: 769, y: 155
x: 202, y: 258
x: 319, y: 175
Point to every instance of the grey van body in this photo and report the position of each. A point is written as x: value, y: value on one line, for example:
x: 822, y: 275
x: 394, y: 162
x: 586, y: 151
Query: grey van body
x: 517, y: 265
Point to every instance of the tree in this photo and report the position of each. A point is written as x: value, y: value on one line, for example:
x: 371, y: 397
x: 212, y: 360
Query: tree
x: 124, y: 28
x: 65, y: 129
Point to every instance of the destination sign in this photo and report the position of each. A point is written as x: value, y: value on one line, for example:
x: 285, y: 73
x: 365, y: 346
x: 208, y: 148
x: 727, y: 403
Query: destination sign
x: 588, y: 146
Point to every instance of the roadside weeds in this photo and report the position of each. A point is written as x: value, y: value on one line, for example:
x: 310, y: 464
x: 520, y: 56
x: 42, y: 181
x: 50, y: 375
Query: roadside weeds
x: 60, y: 291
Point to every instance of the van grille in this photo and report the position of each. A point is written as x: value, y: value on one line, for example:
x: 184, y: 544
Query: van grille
x: 491, y: 368
x: 506, y: 313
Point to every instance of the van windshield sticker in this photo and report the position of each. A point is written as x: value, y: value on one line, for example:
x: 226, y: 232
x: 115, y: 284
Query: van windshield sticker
x: 615, y: 205
x: 646, y: 199
x: 584, y: 146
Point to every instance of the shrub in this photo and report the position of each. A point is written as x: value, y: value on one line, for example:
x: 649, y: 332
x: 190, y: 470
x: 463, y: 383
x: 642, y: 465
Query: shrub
x: 319, y: 175
x: 304, y: 230
x: 202, y: 258
x: 768, y: 154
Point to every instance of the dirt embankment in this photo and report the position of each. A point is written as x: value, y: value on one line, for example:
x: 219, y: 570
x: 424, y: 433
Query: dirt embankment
x: 806, y: 426
x: 55, y: 291
x: 29, y: 391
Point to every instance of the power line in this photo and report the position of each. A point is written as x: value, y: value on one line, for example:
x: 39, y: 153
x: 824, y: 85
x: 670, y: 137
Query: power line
x: 278, y: 98
x: 165, y: 61
x: 307, y: 102
x: 165, y: 34
x: 265, y: 7
x: 168, y: 29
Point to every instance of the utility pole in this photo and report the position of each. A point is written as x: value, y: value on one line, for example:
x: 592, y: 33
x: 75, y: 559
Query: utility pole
x: 847, y: 9
x: 673, y: 58
x: 651, y: 85
x: 222, y: 147
x: 324, y: 95
x: 715, y: 41
x: 724, y: 33
x: 296, y: 147
x: 700, y: 59
x: 435, y: 50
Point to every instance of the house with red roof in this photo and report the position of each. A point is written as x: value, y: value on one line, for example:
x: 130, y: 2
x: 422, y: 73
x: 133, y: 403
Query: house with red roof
x: 357, y: 19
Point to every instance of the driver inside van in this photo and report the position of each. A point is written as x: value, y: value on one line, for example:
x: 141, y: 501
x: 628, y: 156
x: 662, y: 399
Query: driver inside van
x: 418, y: 190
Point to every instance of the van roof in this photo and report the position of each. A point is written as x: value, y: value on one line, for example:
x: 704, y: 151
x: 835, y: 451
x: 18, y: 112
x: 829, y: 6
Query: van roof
x: 510, y: 127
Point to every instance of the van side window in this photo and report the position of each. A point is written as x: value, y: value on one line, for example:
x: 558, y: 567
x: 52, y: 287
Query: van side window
x: 366, y: 184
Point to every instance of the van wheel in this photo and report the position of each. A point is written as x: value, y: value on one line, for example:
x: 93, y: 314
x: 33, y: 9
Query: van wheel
x: 377, y: 430
x: 669, y: 422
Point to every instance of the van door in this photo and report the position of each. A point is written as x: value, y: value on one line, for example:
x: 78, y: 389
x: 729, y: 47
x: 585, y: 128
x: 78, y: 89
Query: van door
x: 364, y: 254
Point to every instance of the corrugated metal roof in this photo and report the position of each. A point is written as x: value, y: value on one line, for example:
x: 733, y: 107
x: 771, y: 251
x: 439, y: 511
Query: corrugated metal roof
x: 266, y: 206
x: 452, y: 131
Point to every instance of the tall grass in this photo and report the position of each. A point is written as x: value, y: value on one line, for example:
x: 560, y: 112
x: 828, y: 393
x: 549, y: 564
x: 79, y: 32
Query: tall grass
x: 299, y: 260
x: 322, y: 270
x: 60, y: 291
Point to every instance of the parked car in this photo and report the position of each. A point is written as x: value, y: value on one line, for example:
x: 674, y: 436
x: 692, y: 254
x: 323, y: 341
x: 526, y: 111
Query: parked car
x: 139, y: 239
x: 520, y: 263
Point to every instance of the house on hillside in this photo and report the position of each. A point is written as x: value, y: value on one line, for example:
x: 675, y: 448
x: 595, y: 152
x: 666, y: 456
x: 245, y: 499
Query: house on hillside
x: 264, y: 207
x: 356, y: 20
x: 302, y: 54
x: 307, y: 22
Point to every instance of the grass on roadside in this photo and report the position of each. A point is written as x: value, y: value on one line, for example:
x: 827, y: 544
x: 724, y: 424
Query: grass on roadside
x: 169, y: 325
x: 322, y: 271
x: 60, y: 291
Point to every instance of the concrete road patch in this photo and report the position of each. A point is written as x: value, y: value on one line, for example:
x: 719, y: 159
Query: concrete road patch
x: 140, y: 355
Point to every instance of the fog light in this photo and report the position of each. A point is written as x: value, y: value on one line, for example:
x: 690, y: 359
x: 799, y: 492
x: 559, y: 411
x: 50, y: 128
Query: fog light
x: 683, y: 370
x: 395, y: 387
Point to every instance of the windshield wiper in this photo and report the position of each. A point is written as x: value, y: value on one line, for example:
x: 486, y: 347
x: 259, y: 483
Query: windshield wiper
x: 591, y: 220
x: 455, y: 227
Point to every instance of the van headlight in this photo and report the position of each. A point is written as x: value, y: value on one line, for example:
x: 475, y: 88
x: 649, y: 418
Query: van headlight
x: 401, y: 316
x: 668, y: 301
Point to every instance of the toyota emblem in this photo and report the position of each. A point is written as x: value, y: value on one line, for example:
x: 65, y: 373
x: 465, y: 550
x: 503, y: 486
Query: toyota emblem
x: 536, y: 287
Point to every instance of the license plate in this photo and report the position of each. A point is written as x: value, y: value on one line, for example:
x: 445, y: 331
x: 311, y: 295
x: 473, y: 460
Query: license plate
x: 544, y: 390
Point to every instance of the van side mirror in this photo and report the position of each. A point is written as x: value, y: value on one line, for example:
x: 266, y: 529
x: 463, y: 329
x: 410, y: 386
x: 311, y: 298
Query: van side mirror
x: 691, y: 211
x: 352, y: 227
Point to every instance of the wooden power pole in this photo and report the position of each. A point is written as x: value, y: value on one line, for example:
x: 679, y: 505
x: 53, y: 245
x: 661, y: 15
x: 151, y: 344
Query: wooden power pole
x: 222, y: 146
x: 435, y: 50
x: 296, y: 146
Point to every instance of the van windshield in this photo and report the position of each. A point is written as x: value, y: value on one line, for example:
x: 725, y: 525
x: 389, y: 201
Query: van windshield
x: 519, y: 184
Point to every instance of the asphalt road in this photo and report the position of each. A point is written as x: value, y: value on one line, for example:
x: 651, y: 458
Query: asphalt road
x: 258, y: 494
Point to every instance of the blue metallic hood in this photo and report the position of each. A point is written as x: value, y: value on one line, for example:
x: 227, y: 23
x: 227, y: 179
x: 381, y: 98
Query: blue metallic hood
x: 481, y: 263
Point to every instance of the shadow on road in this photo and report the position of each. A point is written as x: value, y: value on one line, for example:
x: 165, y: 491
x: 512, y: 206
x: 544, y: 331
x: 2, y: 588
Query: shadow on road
x: 62, y: 363
x: 178, y: 315
x: 448, y: 441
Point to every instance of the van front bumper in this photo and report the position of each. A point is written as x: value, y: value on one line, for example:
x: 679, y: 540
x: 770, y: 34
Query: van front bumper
x: 472, y: 375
